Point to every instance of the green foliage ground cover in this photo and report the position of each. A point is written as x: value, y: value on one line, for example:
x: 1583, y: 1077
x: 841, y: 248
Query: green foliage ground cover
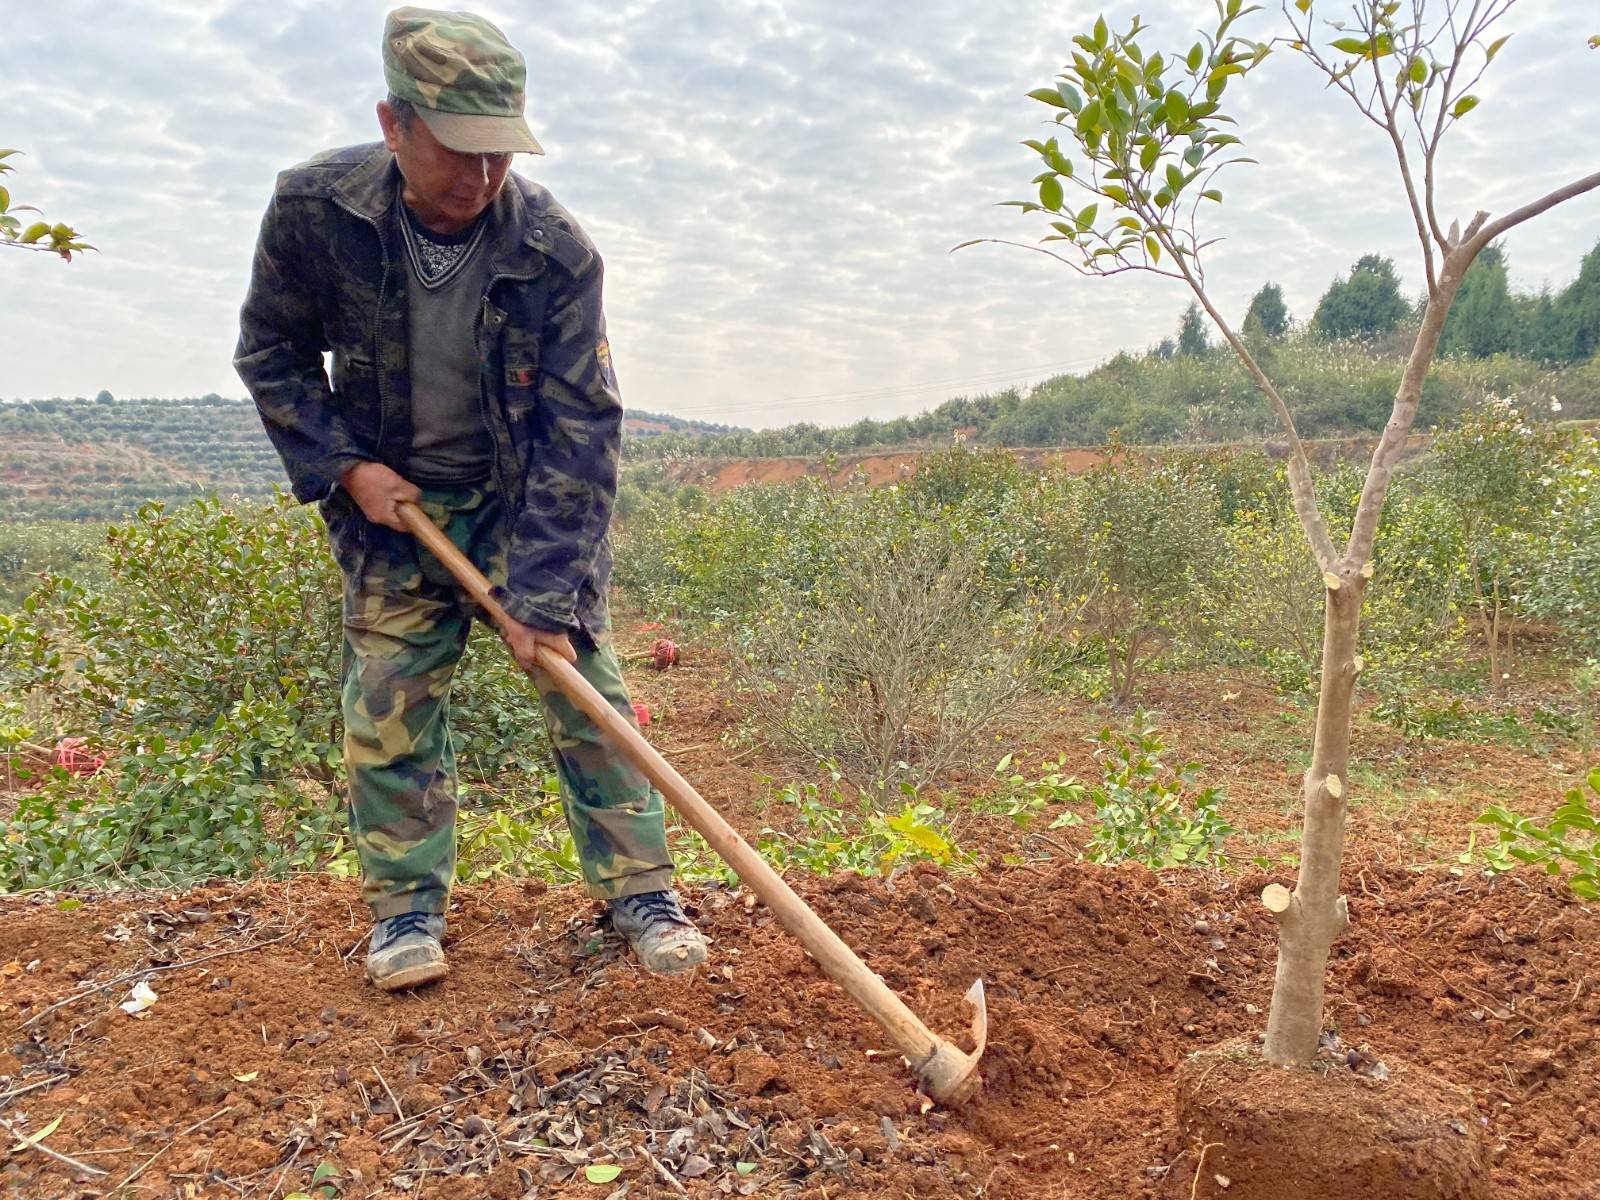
x: 1181, y: 561
x: 206, y: 666
x: 892, y: 632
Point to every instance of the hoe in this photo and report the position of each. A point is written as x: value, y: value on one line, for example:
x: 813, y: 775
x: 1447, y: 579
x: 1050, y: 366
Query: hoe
x: 943, y: 1071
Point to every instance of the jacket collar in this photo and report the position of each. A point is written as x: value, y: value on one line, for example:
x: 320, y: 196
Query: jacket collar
x: 517, y: 244
x: 368, y: 189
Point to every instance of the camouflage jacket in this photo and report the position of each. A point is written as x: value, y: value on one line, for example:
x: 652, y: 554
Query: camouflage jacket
x: 328, y: 276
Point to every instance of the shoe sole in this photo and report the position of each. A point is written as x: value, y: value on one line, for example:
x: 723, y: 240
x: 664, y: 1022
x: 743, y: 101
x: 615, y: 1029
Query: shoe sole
x: 411, y: 977
x: 674, y: 965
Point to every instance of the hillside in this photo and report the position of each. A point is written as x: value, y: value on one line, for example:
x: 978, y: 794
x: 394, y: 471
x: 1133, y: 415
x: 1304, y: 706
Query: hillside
x: 1336, y: 390
x: 79, y: 459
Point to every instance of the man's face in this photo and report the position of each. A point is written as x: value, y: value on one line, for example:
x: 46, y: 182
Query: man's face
x: 446, y: 188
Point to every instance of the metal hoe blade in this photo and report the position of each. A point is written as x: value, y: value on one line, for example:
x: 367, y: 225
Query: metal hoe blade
x: 948, y: 1075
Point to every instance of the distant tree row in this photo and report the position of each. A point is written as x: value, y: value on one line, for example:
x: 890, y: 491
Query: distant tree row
x: 1487, y: 318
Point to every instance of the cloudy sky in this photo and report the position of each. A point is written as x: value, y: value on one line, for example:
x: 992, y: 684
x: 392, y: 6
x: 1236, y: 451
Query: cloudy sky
x: 775, y: 185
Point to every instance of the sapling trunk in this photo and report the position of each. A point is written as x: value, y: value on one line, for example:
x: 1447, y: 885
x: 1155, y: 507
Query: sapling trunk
x: 1314, y: 916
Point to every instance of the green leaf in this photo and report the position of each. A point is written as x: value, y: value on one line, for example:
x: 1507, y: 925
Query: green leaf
x: 1069, y: 96
x: 1196, y: 57
x: 1047, y: 96
x: 744, y: 1168
x: 601, y: 1172
x: 1494, y: 48
x: 1050, y: 194
x: 1463, y: 106
x: 1086, y: 217
x: 1101, y: 33
x: 32, y: 234
x: 1213, y: 194
x: 1153, y: 247
x: 1418, y: 71
x: 1148, y: 155
x: 1177, y: 107
x: 1350, y: 45
x: 5, y: 199
x: 1112, y: 192
x: 68, y: 905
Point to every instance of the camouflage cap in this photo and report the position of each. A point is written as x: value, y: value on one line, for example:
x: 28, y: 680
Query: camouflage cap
x: 462, y: 76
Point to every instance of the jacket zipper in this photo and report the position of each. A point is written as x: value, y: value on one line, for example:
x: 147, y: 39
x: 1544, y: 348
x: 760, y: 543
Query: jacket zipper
x: 512, y: 500
x: 383, y: 291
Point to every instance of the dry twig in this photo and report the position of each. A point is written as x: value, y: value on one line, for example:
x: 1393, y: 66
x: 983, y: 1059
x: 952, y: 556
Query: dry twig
x: 666, y: 1176
x: 1200, y: 1166
x: 29, y: 1144
x: 182, y: 1133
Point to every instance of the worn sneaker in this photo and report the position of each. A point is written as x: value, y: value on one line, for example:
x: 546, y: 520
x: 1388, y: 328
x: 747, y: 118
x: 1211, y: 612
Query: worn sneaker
x: 659, y: 931
x: 405, y: 951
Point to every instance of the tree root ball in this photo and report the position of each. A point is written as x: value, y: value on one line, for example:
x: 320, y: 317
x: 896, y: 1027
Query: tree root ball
x: 1325, y: 1132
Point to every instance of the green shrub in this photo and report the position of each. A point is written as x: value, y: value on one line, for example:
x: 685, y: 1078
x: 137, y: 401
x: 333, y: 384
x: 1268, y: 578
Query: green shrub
x: 1150, y: 539
x: 902, y: 666
x: 32, y: 549
x: 1564, y: 575
x: 838, y: 835
x: 207, y: 668
x: 1565, y: 844
x: 1147, y: 811
x: 1488, y: 469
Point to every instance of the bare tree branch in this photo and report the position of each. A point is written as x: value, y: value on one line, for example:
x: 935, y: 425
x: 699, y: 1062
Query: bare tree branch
x: 1301, y: 487
x: 1493, y: 229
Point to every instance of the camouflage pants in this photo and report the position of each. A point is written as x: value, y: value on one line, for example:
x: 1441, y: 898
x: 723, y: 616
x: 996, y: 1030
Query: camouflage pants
x: 406, y: 624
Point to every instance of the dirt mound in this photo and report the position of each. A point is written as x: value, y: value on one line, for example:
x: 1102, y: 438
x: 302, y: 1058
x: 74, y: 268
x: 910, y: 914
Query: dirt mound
x: 546, y: 1052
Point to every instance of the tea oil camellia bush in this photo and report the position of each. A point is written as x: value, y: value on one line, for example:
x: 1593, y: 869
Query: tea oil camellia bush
x: 902, y: 667
x: 207, y: 670
x: 1563, y: 554
x: 1151, y: 538
x: 1148, y: 811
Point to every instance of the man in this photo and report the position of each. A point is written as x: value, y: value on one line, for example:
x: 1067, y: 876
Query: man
x: 471, y: 375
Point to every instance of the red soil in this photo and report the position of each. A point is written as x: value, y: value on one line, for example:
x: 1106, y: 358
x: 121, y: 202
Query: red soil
x: 1100, y: 981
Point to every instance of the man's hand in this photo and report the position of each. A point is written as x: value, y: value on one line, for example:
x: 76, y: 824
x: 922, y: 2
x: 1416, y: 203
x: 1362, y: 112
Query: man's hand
x: 378, y: 490
x: 525, y: 640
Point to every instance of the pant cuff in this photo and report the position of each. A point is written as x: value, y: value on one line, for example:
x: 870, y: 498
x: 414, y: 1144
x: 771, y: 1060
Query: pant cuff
x: 433, y: 903
x: 657, y: 880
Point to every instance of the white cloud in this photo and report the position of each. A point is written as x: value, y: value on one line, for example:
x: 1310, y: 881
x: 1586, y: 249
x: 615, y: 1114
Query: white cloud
x: 775, y: 187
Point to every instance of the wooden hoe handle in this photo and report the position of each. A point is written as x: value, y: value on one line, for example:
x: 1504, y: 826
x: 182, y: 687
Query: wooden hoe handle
x: 946, y: 1073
